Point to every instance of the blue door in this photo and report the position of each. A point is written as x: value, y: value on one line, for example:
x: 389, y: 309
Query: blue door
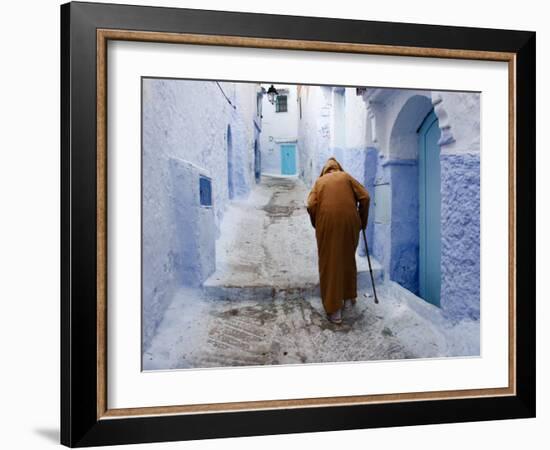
x: 429, y: 197
x: 288, y: 159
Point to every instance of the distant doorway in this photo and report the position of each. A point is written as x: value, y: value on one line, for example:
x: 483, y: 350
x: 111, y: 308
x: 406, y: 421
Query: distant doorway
x: 429, y: 196
x: 288, y: 159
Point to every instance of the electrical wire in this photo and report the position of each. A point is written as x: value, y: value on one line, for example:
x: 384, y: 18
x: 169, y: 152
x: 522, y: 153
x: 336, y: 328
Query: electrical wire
x: 226, y: 97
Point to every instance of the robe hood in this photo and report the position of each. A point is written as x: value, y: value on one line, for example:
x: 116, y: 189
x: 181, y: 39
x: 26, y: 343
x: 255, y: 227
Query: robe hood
x: 330, y: 166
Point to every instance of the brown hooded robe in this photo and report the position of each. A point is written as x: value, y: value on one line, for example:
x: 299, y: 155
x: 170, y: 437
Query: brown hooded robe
x: 333, y: 205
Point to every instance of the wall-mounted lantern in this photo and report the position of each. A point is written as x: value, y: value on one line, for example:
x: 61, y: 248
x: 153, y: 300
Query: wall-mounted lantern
x: 272, y: 94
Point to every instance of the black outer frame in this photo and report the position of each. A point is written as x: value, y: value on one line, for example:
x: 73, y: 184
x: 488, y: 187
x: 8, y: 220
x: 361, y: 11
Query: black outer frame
x: 79, y: 424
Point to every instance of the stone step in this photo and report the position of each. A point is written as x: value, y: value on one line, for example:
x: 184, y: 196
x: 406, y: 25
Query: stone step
x: 254, y: 288
x: 363, y: 275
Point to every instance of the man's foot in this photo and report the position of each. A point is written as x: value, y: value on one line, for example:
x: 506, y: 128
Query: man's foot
x: 349, y: 302
x: 335, y: 317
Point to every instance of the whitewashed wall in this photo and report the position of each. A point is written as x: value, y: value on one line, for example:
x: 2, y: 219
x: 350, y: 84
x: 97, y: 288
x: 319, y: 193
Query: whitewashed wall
x: 314, y: 130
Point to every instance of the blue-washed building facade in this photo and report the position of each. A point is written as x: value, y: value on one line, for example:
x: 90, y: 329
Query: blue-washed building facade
x: 418, y: 154
x: 200, y: 150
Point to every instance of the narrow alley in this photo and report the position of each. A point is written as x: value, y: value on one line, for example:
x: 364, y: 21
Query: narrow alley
x: 267, y: 247
x: 229, y: 255
x: 261, y: 305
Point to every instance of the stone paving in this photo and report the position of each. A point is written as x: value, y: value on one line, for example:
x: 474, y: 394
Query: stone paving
x: 229, y: 333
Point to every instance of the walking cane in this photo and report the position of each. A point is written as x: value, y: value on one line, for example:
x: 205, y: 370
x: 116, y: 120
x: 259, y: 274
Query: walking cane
x: 370, y: 267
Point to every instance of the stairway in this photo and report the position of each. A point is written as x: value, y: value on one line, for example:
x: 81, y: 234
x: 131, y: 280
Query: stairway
x: 246, y: 287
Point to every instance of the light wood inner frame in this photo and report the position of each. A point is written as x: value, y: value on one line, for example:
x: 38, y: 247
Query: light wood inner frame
x: 104, y: 35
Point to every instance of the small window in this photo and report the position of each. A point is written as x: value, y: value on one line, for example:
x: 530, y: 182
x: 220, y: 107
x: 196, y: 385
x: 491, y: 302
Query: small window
x: 281, y: 104
x: 205, y: 188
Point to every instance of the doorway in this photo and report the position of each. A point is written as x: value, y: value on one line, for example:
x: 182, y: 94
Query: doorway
x: 288, y: 159
x: 429, y: 199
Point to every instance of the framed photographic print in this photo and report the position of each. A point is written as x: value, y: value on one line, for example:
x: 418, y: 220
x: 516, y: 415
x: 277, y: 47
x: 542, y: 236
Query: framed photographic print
x: 279, y: 224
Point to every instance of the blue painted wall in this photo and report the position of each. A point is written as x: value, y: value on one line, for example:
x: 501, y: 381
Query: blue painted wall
x: 395, y: 244
x: 194, y: 226
x: 361, y: 163
x: 404, y: 226
x: 381, y: 227
x: 383, y: 156
x: 460, y: 235
x: 185, y: 131
x: 369, y: 177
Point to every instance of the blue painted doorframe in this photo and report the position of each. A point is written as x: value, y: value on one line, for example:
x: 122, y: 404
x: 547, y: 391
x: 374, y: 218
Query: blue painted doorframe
x: 288, y: 159
x: 429, y: 196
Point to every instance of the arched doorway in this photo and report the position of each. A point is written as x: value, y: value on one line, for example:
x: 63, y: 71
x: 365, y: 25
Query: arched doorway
x: 429, y: 210
x: 402, y: 173
x: 230, y: 168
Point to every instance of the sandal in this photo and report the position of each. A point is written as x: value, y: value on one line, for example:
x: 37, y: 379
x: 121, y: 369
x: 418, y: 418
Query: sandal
x: 335, y: 317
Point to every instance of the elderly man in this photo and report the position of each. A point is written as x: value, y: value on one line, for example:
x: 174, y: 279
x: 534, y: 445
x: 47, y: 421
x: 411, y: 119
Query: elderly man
x: 338, y: 206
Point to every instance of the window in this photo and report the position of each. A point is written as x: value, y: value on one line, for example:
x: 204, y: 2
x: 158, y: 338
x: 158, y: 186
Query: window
x: 205, y: 190
x: 281, y: 104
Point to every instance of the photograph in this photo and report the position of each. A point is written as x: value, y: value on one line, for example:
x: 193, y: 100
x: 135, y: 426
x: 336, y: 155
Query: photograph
x: 301, y: 224
x: 256, y: 204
